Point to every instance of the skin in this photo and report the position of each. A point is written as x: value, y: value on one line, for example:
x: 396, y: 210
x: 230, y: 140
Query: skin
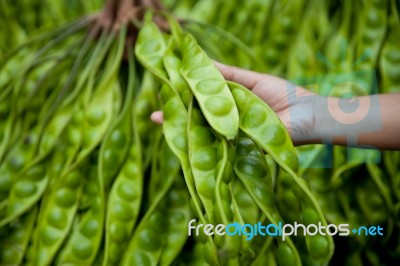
x: 311, y: 119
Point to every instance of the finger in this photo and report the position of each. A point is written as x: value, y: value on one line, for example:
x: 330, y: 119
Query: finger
x: 267, y: 87
x: 157, y: 117
x: 247, y: 78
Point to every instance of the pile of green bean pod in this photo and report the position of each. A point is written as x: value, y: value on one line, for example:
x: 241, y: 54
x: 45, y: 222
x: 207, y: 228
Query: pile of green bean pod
x: 339, y: 48
x: 86, y: 178
x: 197, y: 134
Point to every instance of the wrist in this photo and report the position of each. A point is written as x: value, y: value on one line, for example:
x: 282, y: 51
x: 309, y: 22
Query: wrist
x: 341, y: 121
x: 305, y: 119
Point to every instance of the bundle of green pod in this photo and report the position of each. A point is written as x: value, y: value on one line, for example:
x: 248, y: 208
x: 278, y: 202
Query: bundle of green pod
x: 77, y: 145
x: 87, y: 179
x: 22, y: 18
x: 338, y: 48
x: 223, y: 134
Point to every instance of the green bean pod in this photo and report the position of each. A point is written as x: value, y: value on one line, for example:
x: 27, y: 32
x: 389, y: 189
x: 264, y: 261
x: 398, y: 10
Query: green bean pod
x: 246, y: 205
x: 26, y: 191
x: 173, y: 63
x: 57, y: 216
x: 178, y: 212
x: 264, y: 248
x: 391, y: 161
x: 145, y: 103
x: 230, y: 246
x: 100, y: 112
x: 371, y: 30
x: 15, y: 243
x: 246, y: 249
x: 84, y: 242
x: 10, y: 127
x: 382, y: 184
x: 372, y: 203
x: 286, y: 199
x: 72, y: 138
x: 390, y: 56
x: 55, y: 124
x: 150, y: 48
x: 253, y: 172
x: 175, y: 130
x: 202, y: 148
x: 281, y: 33
x: 260, y: 122
x: 210, y: 89
x: 17, y: 159
x: 156, y: 180
x: 115, y: 145
x: 123, y: 204
x: 147, y: 243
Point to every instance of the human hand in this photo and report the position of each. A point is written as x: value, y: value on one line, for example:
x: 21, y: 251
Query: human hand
x: 295, y: 111
x: 311, y: 118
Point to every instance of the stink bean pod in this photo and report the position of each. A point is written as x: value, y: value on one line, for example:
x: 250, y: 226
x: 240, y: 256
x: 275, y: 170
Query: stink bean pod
x: 26, y: 191
x: 175, y: 127
x: 252, y: 170
x: 202, y: 148
x: 50, y: 112
x: 178, y: 213
x: 175, y: 130
x: 245, y: 204
x: 286, y: 198
x: 230, y: 245
x: 271, y: 135
x: 246, y: 250
x: 145, y: 103
x: 390, y: 56
x: 210, y: 89
x: 100, y: 111
x: 8, y: 126
x: 371, y: 202
x: 382, y: 184
x: 17, y: 159
x: 260, y: 123
x: 267, y: 137
x: 371, y: 30
x: 123, y: 204
x: 150, y: 48
x: 281, y: 33
x: 97, y: 118
x: 147, y: 243
x: 173, y: 63
x: 262, y: 245
x: 155, y: 176
x: 115, y: 145
x: 320, y: 247
x: 83, y: 244
x: 57, y: 215
x: 391, y: 160
x: 14, y: 245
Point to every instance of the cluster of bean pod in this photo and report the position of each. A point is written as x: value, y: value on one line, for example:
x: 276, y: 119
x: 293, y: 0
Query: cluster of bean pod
x: 338, y: 48
x: 226, y: 138
x: 36, y: 16
x: 76, y: 148
x: 87, y: 179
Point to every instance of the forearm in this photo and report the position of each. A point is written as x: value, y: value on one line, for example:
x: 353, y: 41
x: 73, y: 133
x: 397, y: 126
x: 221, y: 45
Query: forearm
x: 362, y: 121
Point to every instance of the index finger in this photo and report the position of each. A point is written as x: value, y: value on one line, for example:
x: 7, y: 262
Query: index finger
x: 247, y: 78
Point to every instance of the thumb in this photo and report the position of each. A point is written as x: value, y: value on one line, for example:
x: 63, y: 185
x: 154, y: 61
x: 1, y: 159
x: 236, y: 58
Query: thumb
x: 157, y: 117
